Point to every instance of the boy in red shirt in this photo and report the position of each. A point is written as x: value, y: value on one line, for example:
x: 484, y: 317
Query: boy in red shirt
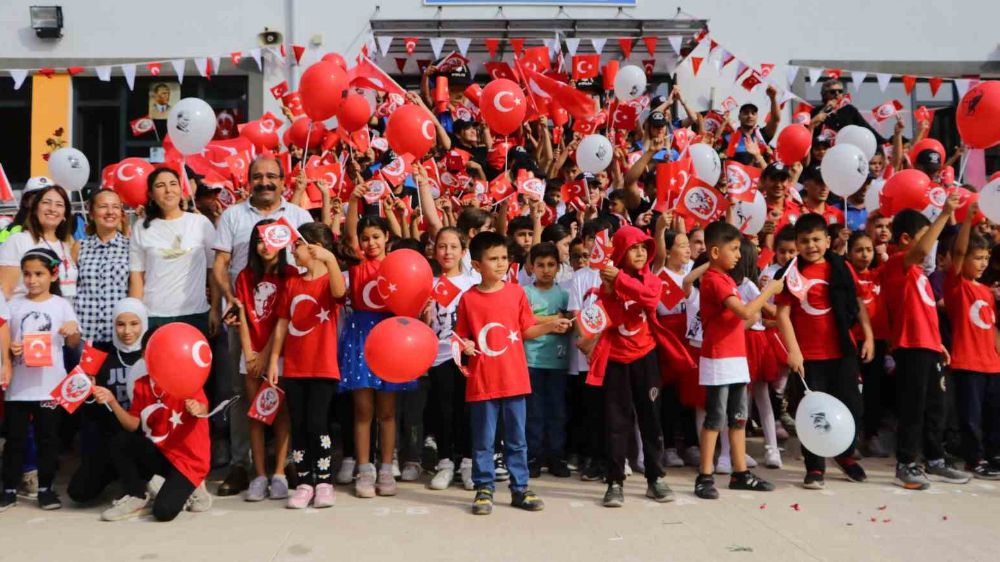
x: 975, y: 361
x: 916, y: 342
x: 723, y: 367
x: 493, y: 319
x: 826, y: 355
x: 816, y: 197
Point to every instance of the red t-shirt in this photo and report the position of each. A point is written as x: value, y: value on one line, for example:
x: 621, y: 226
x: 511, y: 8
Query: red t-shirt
x: 495, y: 322
x: 311, y: 343
x: 368, y: 292
x: 870, y: 287
x: 628, y: 332
x: 723, y: 331
x: 972, y: 312
x: 909, y: 304
x: 831, y: 214
x: 181, y: 437
x: 260, y: 301
x: 790, y: 212
x: 812, y: 317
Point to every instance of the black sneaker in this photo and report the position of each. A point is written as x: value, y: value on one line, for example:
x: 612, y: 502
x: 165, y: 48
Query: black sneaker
x: 814, y: 480
x: 749, y: 481
x: 526, y: 500
x: 615, y: 496
x: 500, y: 468
x: 559, y: 469
x: 534, y: 469
x: 704, y: 487
x: 984, y: 471
x: 659, y: 491
x: 483, y: 504
x: 48, y: 499
x: 594, y: 473
x: 8, y: 500
x: 853, y: 470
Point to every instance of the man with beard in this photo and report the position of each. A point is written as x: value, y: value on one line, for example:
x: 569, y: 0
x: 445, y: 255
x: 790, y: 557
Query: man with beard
x: 232, y: 245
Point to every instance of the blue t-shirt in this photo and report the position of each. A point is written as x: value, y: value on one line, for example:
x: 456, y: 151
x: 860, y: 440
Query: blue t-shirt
x: 551, y: 350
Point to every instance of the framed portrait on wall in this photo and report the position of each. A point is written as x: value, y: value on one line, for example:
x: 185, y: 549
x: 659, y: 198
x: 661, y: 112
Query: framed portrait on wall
x: 162, y: 97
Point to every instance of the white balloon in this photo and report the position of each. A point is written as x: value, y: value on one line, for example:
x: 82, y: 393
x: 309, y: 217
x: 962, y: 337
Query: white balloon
x: 824, y: 424
x: 69, y: 168
x: 872, y: 195
x: 630, y: 82
x: 844, y: 169
x: 594, y: 153
x: 706, y: 162
x: 191, y: 124
x: 859, y: 137
x: 989, y: 200
x: 750, y: 215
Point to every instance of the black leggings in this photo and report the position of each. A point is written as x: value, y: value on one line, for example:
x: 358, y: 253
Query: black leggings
x: 137, y: 459
x: 838, y: 378
x: 410, y: 421
x: 45, y: 416
x: 633, y: 387
x: 309, y: 401
x: 447, y: 396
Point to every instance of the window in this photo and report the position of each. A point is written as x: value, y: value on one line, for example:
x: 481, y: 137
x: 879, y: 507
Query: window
x: 15, y: 142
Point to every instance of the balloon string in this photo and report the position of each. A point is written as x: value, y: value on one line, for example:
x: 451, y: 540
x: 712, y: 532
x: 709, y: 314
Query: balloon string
x: 961, y: 167
x: 224, y: 405
x: 305, y: 151
x: 803, y: 379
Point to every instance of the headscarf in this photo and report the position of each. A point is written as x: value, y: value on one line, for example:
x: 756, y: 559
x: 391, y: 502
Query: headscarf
x: 134, y: 306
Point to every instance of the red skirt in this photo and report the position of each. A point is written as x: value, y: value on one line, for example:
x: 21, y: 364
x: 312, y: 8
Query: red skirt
x: 766, y: 356
x: 676, y: 324
x: 690, y: 392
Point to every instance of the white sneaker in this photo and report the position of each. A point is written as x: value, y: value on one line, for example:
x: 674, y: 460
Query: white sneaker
x: 672, y: 459
x: 200, y: 500
x: 465, y: 471
x: 257, y: 490
x: 127, y: 507
x: 444, y: 473
x: 396, y: 473
x: 772, y: 457
x: 751, y: 462
x: 154, y: 485
x: 724, y: 465
x: 411, y: 472
x: 346, y: 473
x: 430, y: 443
x: 628, y: 468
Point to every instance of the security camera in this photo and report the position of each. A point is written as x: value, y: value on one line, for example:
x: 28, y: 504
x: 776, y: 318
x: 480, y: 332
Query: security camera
x: 269, y: 38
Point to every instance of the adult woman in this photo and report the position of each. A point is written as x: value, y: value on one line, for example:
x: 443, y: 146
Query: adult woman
x: 48, y: 226
x: 103, y: 261
x: 169, y: 257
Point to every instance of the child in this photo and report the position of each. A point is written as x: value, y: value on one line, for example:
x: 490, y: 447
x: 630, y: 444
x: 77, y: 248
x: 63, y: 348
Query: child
x: 825, y: 354
x: 447, y: 392
x: 784, y: 252
x: 918, y: 352
x: 815, y: 200
x: 975, y: 361
x: 547, y: 364
x: 723, y: 367
x: 307, y: 323
x: 259, y: 288
x: 47, y: 321
x: 493, y: 318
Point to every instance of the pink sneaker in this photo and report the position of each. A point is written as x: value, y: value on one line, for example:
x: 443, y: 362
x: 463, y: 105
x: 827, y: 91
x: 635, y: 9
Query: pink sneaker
x: 301, y: 497
x: 325, y: 496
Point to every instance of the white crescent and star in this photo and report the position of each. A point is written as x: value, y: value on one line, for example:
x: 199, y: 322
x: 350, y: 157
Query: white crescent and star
x: 427, y: 130
x: 291, y: 323
x: 806, y: 305
x: 501, y: 107
x: 976, y: 315
x: 583, y: 67
x: 629, y: 333
x: 196, y: 354
x: 366, y: 296
x: 484, y: 345
x: 144, y: 421
x: 38, y: 343
x: 923, y: 287
x: 120, y: 171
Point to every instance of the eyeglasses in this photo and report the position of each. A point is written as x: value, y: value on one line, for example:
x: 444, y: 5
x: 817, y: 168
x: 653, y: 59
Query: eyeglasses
x: 835, y: 92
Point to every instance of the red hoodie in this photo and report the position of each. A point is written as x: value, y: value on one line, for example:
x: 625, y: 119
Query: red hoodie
x: 633, y: 327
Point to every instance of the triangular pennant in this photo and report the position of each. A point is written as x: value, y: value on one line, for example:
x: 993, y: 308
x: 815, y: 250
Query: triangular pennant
x: 19, y: 75
x: 814, y: 74
x: 791, y: 71
x: 909, y: 81
x: 712, y: 45
x: 785, y: 96
x: 857, y: 79
x: 384, y: 42
x: 883, y: 81
x: 235, y: 57
x: 297, y: 50
x: 572, y: 44
x: 103, y: 72
x: 178, y: 65
x: 727, y: 57
x: 400, y: 63
x: 675, y: 43
x: 935, y: 85
x: 961, y: 86
x: 255, y: 53
x: 6, y: 192
x: 74, y: 70
x: 278, y: 54
x: 463, y: 45
x: 650, y: 42
x: 216, y: 61
x: 718, y: 65
x: 411, y: 44
x: 491, y: 46
x: 598, y: 44
x: 201, y: 63
x: 129, y: 71
x: 518, y: 45
x: 47, y: 72
x: 834, y: 73
x: 437, y: 43
x: 696, y: 64
x: 626, y: 46
x: 740, y: 68
x: 153, y: 68
x: 553, y: 46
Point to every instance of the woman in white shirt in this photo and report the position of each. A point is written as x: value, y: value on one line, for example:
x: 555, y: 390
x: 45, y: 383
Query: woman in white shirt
x: 170, y: 256
x: 50, y: 226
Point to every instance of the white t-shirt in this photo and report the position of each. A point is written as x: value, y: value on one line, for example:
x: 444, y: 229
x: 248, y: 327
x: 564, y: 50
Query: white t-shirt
x: 693, y: 305
x: 174, y: 257
x: 237, y: 223
x: 26, y: 317
x: 443, y: 318
x: 583, y: 280
x: 469, y: 270
x: 749, y: 291
x: 19, y: 243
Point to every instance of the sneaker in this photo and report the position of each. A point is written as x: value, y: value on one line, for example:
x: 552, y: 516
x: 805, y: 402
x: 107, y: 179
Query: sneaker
x: 154, y: 485
x: 444, y: 473
x: 872, y: 447
x: 200, y: 500
x: 430, y: 443
x: 594, y: 472
x: 29, y: 485
x: 257, y: 490
x: 772, y: 457
x: 692, y: 456
x: 127, y: 507
x: 572, y: 463
x: 671, y: 459
x: 279, y: 487
x: 364, y: 486
x: 853, y: 470
x: 615, y: 496
x: 8, y: 500
x: 48, y: 500
x: 911, y: 477
x: 659, y: 491
x: 396, y: 473
x: 385, y: 485
x: 984, y: 471
x: 628, y: 468
x: 749, y: 481
x: 814, y: 480
x: 751, y: 462
x: 704, y: 487
x: 483, y: 504
x: 236, y: 481
x: 301, y: 497
x: 559, y: 469
x: 780, y: 432
x: 411, y: 472
x: 724, y: 465
x: 346, y: 473
x: 534, y: 469
x: 526, y: 500
x: 941, y: 472
x: 465, y: 472
x: 501, y: 474
x: 325, y: 496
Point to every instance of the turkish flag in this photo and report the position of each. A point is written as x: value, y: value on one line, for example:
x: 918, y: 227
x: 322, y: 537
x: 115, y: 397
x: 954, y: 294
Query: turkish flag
x: 37, y: 349
x: 588, y: 127
x: 512, y: 271
x: 73, y: 390
x: 742, y: 181
x: 457, y: 347
x: 577, y: 103
x: 500, y: 187
x: 531, y: 187
x: 600, y: 256
x: 278, y: 234
x: 92, y: 359
x: 108, y: 178
x: 592, y: 319
x: 445, y: 291
x: 574, y: 194
x: 239, y: 168
x: 457, y: 159
x: 279, y: 90
x: 411, y: 44
x: 360, y: 139
x: 624, y: 116
x: 451, y: 62
x: 293, y: 102
x: 671, y: 179
x: 266, y: 403
x: 367, y: 74
x: 671, y: 294
x: 765, y: 257
x: 500, y: 70
x: 377, y: 190
x: 329, y: 173
x: 752, y: 80
x: 395, y: 172
x: 794, y: 283
x: 154, y: 68
x: 924, y: 115
x: 236, y: 57
x: 887, y: 110
x: 701, y: 202
x: 586, y: 66
x: 535, y: 59
x: 141, y: 126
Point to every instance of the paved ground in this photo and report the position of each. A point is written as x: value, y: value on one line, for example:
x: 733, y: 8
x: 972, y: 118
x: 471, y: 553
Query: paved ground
x: 873, y: 521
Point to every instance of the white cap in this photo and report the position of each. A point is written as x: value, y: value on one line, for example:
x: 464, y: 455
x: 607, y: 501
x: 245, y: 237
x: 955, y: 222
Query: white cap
x: 36, y: 183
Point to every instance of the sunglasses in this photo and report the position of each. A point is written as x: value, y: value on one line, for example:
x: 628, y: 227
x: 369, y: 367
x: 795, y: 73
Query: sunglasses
x: 835, y: 92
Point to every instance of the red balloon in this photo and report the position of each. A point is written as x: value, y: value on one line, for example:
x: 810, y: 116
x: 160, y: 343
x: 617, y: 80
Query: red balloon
x: 925, y: 144
x: 978, y: 115
x: 794, y: 142
x: 262, y: 134
x: 966, y: 198
x: 179, y: 359
x: 473, y: 93
x: 993, y: 177
x: 354, y: 113
x: 411, y: 130
x: 400, y: 349
x: 948, y: 176
x: 299, y: 131
x: 336, y: 59
x: 322, y: 90
x: 131, y: 176
x: 408, y: 284
x: 908, y: 189
x: 503, y: 106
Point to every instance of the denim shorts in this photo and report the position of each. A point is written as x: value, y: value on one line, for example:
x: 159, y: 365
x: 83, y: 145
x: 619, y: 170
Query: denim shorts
x: 727, y: 402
